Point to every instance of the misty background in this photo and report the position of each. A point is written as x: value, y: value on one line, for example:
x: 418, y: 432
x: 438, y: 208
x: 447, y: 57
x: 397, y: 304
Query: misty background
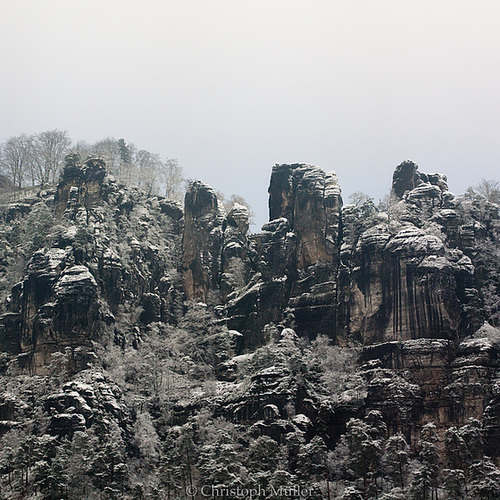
x: 230, y: 87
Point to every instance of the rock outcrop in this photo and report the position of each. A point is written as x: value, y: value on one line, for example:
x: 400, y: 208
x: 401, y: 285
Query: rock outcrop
x: 298, y: 256
x: 412, y: 297
x: 59, y: 308
x: 409, y: 281
x: 81, y: 402
x: 403, y: 284
x: 330, y: 313
x: 237, y: 250
x: 311, y: 202
x: 81, y: 185
x: 204, y: 225
x: 110, y: 250
x: 217, y: 256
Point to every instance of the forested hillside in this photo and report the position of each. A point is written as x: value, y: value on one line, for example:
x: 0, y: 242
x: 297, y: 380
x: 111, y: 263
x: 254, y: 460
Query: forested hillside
x: 30, y: 161
x: 156, y: 349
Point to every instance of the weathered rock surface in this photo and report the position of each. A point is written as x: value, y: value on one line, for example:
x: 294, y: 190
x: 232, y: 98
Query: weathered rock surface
x: 204, y: 224
x: 237, y: 250
x: 298, y: 252
x: 110, y: 251
x: 409, y: 287
x: 80, y: 186
x: 81, y: 403
x: 412, y: 296
x: 58, y: 308
x: 311, y: 202
x: 403, y: 284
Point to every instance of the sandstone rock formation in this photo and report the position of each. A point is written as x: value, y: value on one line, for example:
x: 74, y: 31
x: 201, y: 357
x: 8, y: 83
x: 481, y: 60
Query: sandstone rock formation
x: 204, y: 225
x: 90, y: 267
x: 81, y: 185
x: 298, y: 252
x: 58, y: 307
x: 237, y: 251
x: 310, y: 200
x: 332, y: 316
x: 402, y: 284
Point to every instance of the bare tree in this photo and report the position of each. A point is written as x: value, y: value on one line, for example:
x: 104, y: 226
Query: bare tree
x: 148, y: 170
x: 489, y: 189
x: 51, y: 147
x: 17, y: 158
x: 358, y: 198
x: 38, y: 159
x: 172, y: 177
x: 108, y: 150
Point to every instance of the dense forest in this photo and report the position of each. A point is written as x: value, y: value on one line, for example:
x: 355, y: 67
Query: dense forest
x: 152, y: 348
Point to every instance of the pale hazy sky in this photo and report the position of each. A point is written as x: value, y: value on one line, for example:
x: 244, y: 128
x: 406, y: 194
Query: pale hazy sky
x: 230, y: 87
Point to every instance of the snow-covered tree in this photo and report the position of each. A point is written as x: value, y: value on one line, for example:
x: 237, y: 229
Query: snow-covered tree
x: 396, y: 459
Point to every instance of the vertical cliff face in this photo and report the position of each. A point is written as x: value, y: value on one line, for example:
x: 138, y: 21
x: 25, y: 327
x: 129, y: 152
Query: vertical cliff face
x: 407, y: 286
x: 400, y: 282
x: 409, y: 281
x: 237, y: 251
x: 310, y: 200
x: 359, y: 273
x: 413, y: 296
x: 218, y: 257
x: 204, y: 225
x: 298, y: 254
x: 58, y: 302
